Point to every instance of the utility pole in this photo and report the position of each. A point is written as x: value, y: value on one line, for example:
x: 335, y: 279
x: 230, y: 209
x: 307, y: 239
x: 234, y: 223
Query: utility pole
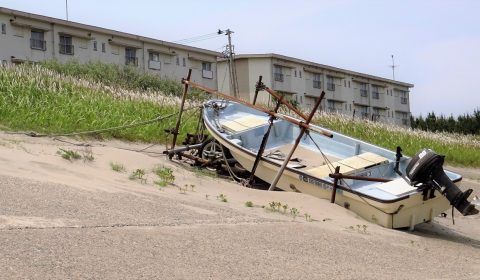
x: 393, y: 66
x: 230, y: 55
x: 66, y: 8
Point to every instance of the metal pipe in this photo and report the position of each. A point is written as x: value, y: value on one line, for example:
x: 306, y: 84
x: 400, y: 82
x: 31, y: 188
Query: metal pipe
x: 257, y: 89
x: 263, y: 144
x: 335, y: 184
x: 360, y: 178
x: 297, y: 141
x: 177, y: 126
x: 286, y: 103
x: 257, y: 107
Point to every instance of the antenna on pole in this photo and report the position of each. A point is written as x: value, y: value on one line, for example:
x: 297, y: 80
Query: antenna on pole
x: 393, y: 66
x: 230, y: 55
x: 66, y: 8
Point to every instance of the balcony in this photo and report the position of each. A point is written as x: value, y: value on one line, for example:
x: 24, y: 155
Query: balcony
x: 403, y: 100
x: 278, y: 77
x: 331, y: 86
x: 207, y: 74
x: 131, y: 61
x: 153, y: 64
x: 363, y: 93
x: 316, y: 84
x: 364, y: 115
x: 37, y: 44
x: 66, y: 49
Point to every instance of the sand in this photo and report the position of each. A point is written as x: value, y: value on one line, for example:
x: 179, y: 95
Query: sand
x: 82, y: 220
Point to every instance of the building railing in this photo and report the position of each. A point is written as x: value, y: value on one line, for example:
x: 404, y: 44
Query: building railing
x: 331, y: 86
x: 66, y: 49
x: 363, y: 92
x: 131, y: 61
x: 375, y: 95
x: 316, y: 84
x: 38, y: 44
x: 278, y: 77
x: 403, y: 100
x: 153, y: 64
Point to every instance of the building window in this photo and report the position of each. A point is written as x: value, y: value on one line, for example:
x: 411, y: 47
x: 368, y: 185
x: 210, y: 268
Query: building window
x: 330, y: 83
x: 331, y: 105
x: 364, y: 112
x: 277, y: 73
x: 177, y: 60
x: 207, y: 70
x: 184, y: 62
x: 131, y: 56
x: 154, y: 60
x: 65, y: 45
x: 316, y: 81
x: 103, y: 47
x: 295, y: 72
x: 37, y: 42
x: 95, y: 45
x: 375, y: 93
x: 363, y: 90
x: 403, y: 97
x: 299, y: 73
x: 4, y: 28
x: 345, y: 83
x: 348, y: 83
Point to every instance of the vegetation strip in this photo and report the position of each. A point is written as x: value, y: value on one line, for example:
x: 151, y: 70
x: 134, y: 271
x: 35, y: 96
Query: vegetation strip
x: 53, y: 98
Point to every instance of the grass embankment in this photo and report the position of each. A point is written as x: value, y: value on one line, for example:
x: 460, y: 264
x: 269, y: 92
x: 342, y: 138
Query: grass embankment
x: 35, y: 98
x: 56, y: 98
x: 459, y: 149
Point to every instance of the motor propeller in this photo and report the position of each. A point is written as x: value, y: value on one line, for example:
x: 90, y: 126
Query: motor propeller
x: 426, y: 167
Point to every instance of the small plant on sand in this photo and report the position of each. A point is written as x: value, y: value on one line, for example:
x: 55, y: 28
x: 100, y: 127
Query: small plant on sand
x: 308, y: 218
x: 192, y: 187
x: 183, y: 190
x: 294, y: 212
x: 207, y: 196
x: 138, y: 174
x: 285, y: 207
x: 249, y: 204
x: 117, y: 167
x: 87, y: 154
x: 69, y: 154
x: 222, y: 197
x: 165, y: 174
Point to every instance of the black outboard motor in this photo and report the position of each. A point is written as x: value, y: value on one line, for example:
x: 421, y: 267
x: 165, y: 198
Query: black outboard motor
x: 426, y: 167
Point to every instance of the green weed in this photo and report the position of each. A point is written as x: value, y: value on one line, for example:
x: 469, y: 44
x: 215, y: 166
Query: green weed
x: 118, y: 167
x: 69, y: 154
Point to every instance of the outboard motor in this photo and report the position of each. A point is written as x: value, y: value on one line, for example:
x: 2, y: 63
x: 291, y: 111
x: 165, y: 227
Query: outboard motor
x: 426, y: 167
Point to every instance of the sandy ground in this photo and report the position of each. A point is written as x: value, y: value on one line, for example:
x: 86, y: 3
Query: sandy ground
x: 82, y: 220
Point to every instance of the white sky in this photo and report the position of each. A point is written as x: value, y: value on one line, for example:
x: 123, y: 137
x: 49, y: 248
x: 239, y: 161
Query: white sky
x: 435, y: 43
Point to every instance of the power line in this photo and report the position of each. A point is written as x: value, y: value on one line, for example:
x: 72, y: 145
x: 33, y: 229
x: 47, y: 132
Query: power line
x: 198, y: 38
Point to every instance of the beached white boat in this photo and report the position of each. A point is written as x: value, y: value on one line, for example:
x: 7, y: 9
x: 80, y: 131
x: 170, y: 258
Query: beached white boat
x: 379, y: 185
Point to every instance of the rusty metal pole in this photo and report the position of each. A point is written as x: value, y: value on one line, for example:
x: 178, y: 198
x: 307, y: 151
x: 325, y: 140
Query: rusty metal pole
x: 263, y: 144
x: 177, y: 126
x: 297, y: 141
x: 257, y: 89
x: 335, y: 184
x: 259, y: 108
x: 286, y: 103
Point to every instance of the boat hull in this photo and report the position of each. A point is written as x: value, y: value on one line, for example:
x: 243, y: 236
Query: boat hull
x: 403, y: 213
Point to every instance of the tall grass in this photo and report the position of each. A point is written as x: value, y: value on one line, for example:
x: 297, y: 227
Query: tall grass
x: 459, y: 149
x: 35, y: 98
x: 55, y: 98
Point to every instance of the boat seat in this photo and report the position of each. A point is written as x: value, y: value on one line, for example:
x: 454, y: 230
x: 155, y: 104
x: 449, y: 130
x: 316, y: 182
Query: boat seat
x: 348, y: 165
x: 243, y: 123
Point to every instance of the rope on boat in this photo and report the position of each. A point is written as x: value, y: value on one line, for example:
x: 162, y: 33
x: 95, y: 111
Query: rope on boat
x: 346, y: 184
x: 156, y: 119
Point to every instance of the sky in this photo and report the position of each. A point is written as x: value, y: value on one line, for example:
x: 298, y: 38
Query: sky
x: 436, y: 44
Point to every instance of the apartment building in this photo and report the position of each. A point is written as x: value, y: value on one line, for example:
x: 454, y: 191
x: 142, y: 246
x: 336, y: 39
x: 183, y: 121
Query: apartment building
x: 31, y: 37
x: 347, y: 92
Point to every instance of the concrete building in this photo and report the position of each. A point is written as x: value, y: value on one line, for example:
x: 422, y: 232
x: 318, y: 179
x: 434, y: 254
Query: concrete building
x: 347, y: 92
x: 30, y: 37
